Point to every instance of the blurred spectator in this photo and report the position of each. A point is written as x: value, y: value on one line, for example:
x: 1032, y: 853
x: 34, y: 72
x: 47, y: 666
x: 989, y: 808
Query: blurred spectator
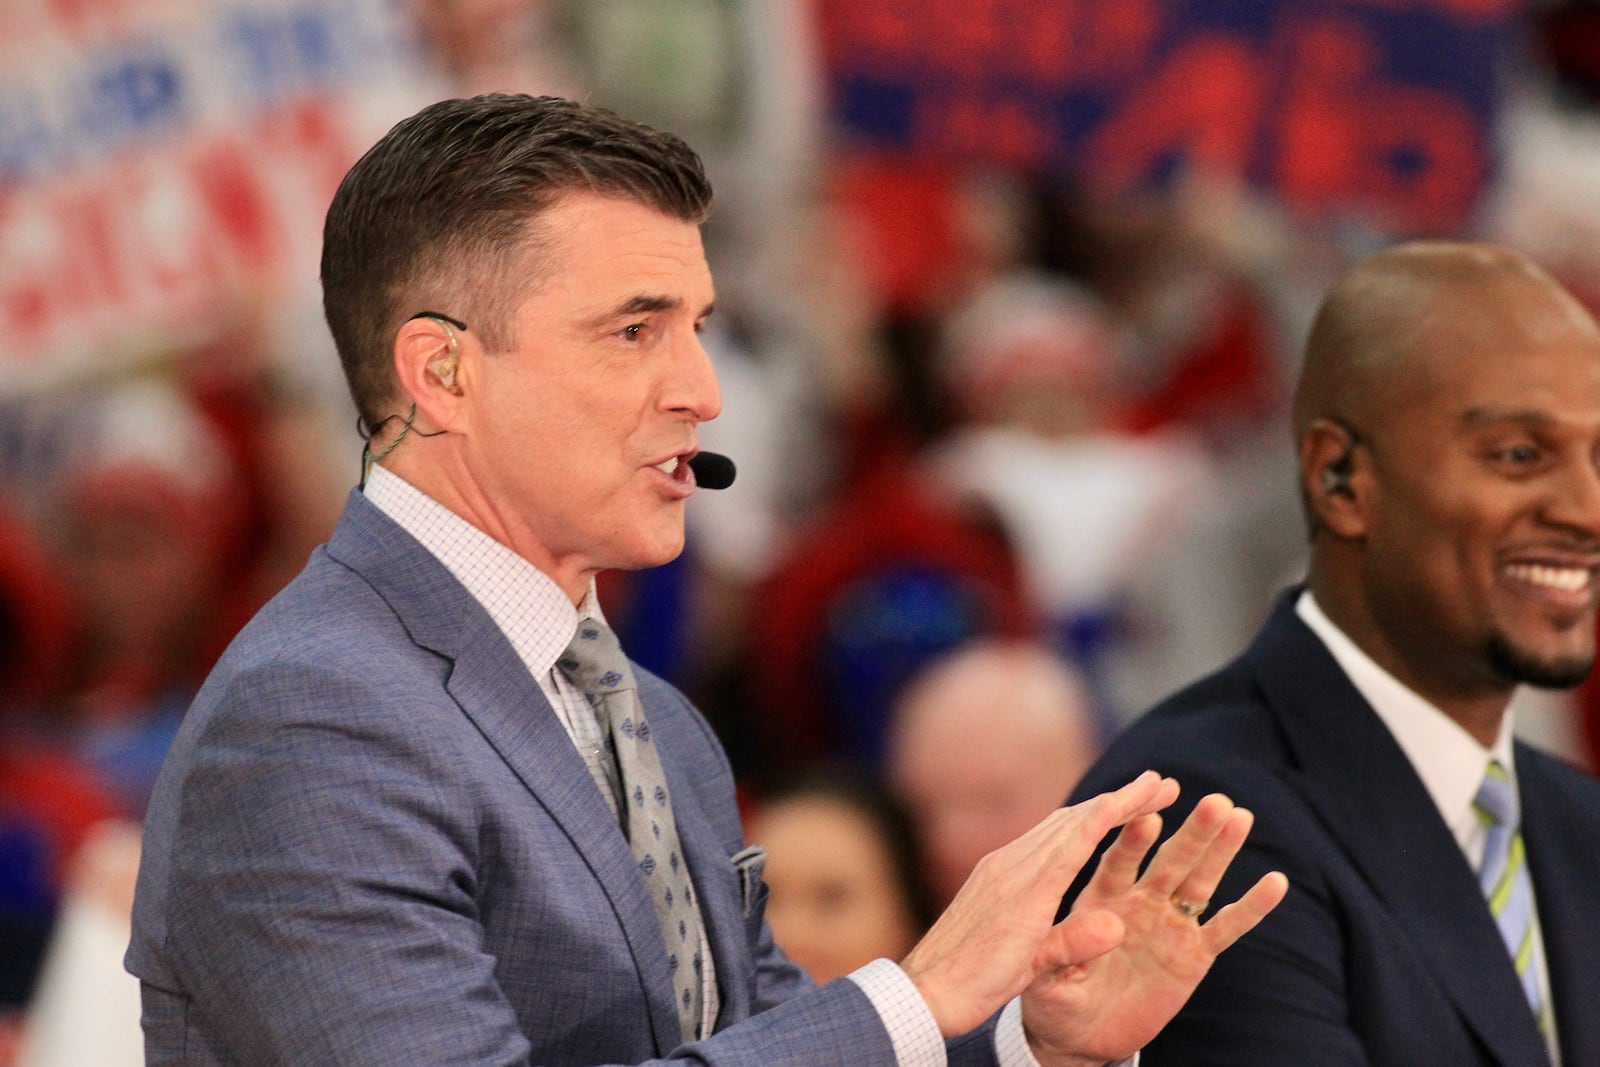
x: 156, y: 512
x: 842, y: 873
x: 144, y: 522
x: 1034, y: 365
x: 885, y: 579
x: 984, y: 743
x: 48, y: 803
x: 86, y: 1010
x: 1179, y: 268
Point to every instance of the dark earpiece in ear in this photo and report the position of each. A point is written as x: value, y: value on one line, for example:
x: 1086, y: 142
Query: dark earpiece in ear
x: 1336, y: 476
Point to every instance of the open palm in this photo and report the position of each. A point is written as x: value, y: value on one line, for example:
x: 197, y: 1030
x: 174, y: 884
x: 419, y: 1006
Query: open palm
x: 1090, y: 1010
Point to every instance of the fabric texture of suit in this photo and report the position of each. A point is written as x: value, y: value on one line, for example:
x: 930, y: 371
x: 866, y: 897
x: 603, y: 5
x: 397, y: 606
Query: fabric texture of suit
x: 1384, y: 951
x: 375, y: 843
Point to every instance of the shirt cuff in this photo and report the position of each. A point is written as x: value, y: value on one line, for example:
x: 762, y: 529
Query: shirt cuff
x: 911, y: 1026
x: 1011, y: 1044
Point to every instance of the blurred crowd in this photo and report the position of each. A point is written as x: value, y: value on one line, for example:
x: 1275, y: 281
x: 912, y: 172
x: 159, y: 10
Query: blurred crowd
x: 1013, y: 463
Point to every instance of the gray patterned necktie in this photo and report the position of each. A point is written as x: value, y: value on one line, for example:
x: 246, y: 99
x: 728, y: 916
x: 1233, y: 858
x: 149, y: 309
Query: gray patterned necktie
x: 595, y: 664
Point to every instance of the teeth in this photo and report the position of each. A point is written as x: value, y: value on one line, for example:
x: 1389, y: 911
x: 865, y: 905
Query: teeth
x: 1566, y: 579
x: 669, y: 466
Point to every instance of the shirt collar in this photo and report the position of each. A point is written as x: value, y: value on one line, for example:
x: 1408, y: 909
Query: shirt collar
x: 1450, y: 761
x: 526, y: 604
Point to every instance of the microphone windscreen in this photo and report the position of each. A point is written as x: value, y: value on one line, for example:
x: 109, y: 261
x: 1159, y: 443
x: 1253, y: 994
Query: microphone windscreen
x: 712, y: 470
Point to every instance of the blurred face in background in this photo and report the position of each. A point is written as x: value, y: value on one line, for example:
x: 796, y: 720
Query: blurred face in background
x: 836, y: 901
x: 140, y: 531
x: 985, y: 744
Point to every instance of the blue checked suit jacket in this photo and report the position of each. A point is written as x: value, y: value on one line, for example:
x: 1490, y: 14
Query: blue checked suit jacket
x: 1384, y: 951
x: 374, y: 843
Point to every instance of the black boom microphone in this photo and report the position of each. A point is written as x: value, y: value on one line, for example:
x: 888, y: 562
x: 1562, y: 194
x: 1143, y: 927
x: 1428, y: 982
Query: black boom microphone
x: 712, y: 470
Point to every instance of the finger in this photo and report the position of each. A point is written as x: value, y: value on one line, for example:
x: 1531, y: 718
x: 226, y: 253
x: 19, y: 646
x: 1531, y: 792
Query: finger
x: 1049, y: 856
x: 1240, y: 917
x: 1143, y: 796
x: 1176, y: 859
x: 1208, y: 870
x: 1147, y: 793
x: 1119, y: 867
x: 1078, y: 939
x: 1129, y: 798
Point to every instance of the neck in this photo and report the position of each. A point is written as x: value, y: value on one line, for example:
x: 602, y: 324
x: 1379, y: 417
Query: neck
x: 462, y: 496
x: 1475, y: 699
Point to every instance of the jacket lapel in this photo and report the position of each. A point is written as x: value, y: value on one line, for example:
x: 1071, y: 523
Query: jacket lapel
x: 1566, y: 880
x: 1354, y: 774
x: 494, y: 690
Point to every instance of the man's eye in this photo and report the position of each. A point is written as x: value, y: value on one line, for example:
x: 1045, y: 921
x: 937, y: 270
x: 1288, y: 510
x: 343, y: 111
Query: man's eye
x: 1519, y: 455
x: 631, y: 333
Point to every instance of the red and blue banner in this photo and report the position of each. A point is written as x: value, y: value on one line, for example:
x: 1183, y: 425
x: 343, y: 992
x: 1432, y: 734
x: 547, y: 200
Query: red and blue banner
x: 1382, y: 107
x: 164, y: 164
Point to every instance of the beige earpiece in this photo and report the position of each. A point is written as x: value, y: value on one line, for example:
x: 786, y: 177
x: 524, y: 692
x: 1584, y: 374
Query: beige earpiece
x: 445, y: 366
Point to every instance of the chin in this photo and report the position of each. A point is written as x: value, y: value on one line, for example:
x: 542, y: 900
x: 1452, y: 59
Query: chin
x: 656, y: 552
x: 1543, y: 670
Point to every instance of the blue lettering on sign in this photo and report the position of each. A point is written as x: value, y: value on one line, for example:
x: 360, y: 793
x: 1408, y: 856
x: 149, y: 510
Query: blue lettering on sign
x: 25, y: 139
x: 52, y: 120
x: 282, y: 54
x: 134, y: 95
x: 120, y: 97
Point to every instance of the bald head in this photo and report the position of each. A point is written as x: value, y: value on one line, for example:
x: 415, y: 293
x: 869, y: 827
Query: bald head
x: 984, y: 744
x: 1379, y: 328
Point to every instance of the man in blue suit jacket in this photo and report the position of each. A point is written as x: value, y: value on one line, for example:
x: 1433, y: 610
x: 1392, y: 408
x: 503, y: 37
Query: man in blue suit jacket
x: 388, y: 831
x: 1448, y: 418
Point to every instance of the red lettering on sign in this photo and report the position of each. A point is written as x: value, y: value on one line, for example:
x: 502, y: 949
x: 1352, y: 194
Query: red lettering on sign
x: 884, y: 35
x: 161, y: 240
x: 999, y: 130
x: 963, y: 37
x: 235, y: 204
x: 1437, y: 190
x: 1204, y: 104
x: 1119, y: 37
x: 1057, y: 43
x: 1345, y: 135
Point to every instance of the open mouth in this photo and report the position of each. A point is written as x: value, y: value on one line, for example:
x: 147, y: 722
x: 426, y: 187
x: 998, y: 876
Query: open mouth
x: 676, y: 468
x: 1557, y: 579
x: 1564, y: 588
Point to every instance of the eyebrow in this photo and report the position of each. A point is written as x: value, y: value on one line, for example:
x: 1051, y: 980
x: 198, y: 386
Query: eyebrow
x: 1488, y: 416
x: 646, y: 303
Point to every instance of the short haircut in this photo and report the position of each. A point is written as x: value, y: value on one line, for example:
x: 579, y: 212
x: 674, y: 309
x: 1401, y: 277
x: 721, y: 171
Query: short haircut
x: 441, y: 215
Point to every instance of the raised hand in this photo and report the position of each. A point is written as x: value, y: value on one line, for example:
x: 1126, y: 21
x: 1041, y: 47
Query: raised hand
x: 1082, y: 1009
x: 987, y: 946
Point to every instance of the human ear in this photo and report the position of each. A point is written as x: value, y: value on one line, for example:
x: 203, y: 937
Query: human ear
x: 427, y: 356
x: 1332, y: 478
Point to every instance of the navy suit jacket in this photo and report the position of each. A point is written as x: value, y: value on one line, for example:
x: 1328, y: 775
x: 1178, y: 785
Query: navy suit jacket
x: 375, y: 843
x: 1384, y: 951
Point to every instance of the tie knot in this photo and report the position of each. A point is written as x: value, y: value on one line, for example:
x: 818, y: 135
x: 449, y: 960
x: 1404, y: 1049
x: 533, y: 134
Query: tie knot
x: 594, y: 661
x: 1496, y: 802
